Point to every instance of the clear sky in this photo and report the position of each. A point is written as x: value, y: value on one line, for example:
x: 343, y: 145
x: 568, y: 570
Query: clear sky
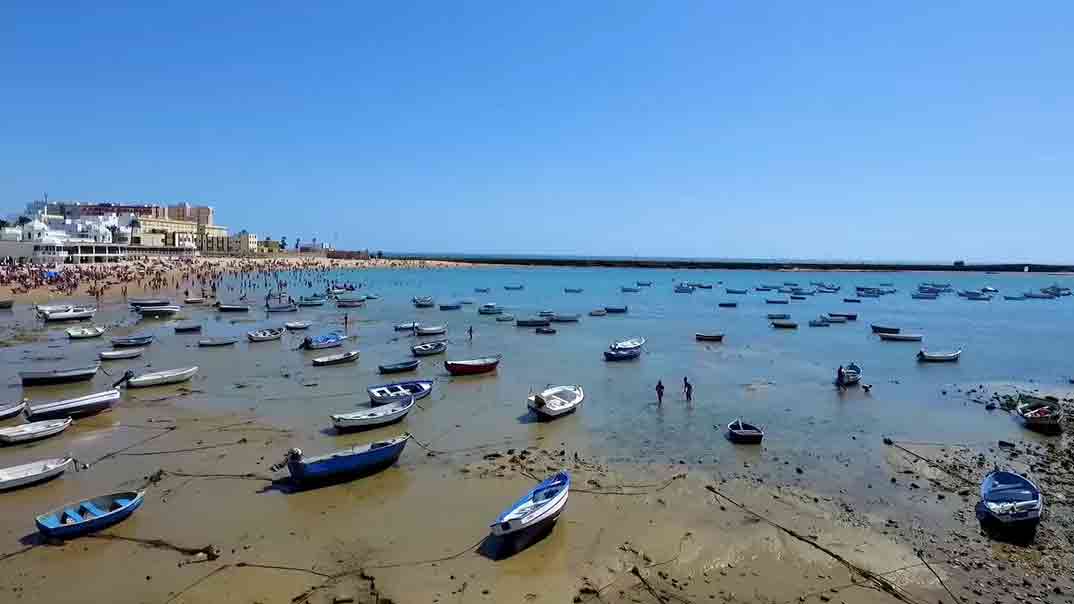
x: 873, y: 130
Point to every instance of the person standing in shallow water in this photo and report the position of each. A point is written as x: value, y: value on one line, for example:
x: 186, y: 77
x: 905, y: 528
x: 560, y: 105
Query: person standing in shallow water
x: 687, y: 389
x: 659, y: 392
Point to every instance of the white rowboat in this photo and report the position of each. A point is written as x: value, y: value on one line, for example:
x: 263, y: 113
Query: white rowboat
x: 33, y: 472
x: 336, y: 359
x: 375, y: 416
x: 432, y: 330
x: 938, y: 357
x: 298, y: 325
x: 82, y: 333
x: 265, y: 335
x: 123, y: 353
x: 33, y: 431
x: 628, y: 344
x: 161, y: 378
x: 73, y: 407
x: 556, y: 401
x: 901, y: 337
x: 11, y: 410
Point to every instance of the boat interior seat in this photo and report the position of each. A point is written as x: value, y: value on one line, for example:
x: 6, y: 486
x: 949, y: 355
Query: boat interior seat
x: 92, y: 508
x: 120, y: 503
x: 72, y: 515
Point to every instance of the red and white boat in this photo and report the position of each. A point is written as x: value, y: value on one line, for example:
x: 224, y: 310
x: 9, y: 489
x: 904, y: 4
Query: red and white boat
x: 473, y: 366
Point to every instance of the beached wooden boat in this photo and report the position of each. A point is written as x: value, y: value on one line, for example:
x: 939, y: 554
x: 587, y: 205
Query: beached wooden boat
x: 1010, y: 503
x: 616, y: 310
x: 232, y: 307
x: 188, y: 328
x: 784, y: 324
x: 630, y: 343
x: 34, y: 472
x: 728, y: 304
x: 89, y: 516
x: 399, y: 391
x: 849, y: 316
x: 345, y: 464
x: 351, y: 303
x: 572, y: 290
x: 901, y: 337
x: 431, y: 330
x: 533, y: 322
x: 217, y: 341
x: 122, y: 353
x: 429, y: 348
x: 400, y: 367
x: 777, y: 316
x: 33, y: 431
x: 742, y: 433
x: 555, y: 401
x: 132, y: 341
x: 1042, y: 414
x: 327, y: 340
x: 708, y: 337
x: 776, y: 301
x: 73, y: 407
x: 599, y: 312
x: 622, y: 355
x: 408, y: 326
x: 539, y: 507
x: 938, y: 357
x: 374, y: 417
x: 159, y: 312
x: 38, y: 377
x: 281, y: 308
x: 423, y: 302
x: 137, y: 303
x: 452, y: 306
x: 70, y: 313
x: 194, y: 300
x: 336, y: 359
x: 297, y: 325
x: 476, y: 366
x: 266, y: 335
x: 566, y: 318
x: 83, y: 333
x: 162, y: 378
x: 314, y: 300
x: 851, y: 375
x: 11, y: 409
x: 884, y: 328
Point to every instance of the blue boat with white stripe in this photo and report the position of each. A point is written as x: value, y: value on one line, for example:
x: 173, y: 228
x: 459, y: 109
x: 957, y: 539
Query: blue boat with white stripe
x: 540, y: 506
x: 89, y: 516
x: 328, y: 340
x: 345, y: 464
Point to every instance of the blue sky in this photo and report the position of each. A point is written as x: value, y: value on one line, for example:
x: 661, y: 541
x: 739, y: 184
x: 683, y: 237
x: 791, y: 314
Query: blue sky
x: 918, y: 131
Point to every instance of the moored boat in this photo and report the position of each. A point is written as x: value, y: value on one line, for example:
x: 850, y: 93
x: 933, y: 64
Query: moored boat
x: 851, y: 375
x: 73, y: 407
x: 548, y: 331
x: 629, y: 289
x: 11, y: 409
x: 408, y: 326
x: 852, y: 300
x: 162, y: 378
x: 599, y: 312
x: 220, y: 307
x: 1040, y: 414
x: 738, y: 292
x: 784, y: 324
x: 336, y: 359
x: 728, y: 305
x: 819, y: 323
x: 708, y: 337
x: 742, y: 433
x: 474, y: 366
x: 572, y: 290
x: 505, y: 319
x: 834, y: 319
x: 901, y: 337
x: 70, y: 313
x: 1010, y: 503
x: 533, y: 322
x: 346, y: 463
x: 772, y: 316
x: 565, y: 318
x: 489, y: 308
x: 539, y: 507
x: 82, y: 333
x: 423, y: 302
x: 297, y: 325
x: 684, y: 289
x: 776, y: 301
x: 351, y: 303
x: 429, y: 348
x: 122, y: 353
x: 38, y: 377
x: 400, y: 367
x: 26, y: 474
x: 373, y: 417
x: 89, y: 516
x: 431, y: 330
x: 399, y: 391
x: 938, y: 357
x: 159, y: 312
x: 188, y: 328
x: 137, y: 303
x: 512, y: 288
x: 555, y: 401
x: 849, y: 316
x: 34, y: 430
x: 314, y: 300
x: 217, y: 341
x: 452, y: 306
x: 326, y: 340
x: 481, y: 290
x: 281, y: 308
x: 265, y: 335
x: 132, y: 341
x: 630, y: 343
x: 616, y: 310
x: 884, y: 328
x: 194, y: 300
x: 622, y: 355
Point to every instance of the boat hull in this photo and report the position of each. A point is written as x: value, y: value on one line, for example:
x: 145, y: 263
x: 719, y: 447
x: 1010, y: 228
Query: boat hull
x: 42, y: 378
x: 468, y: 368
x: 51, y: 524
x: 340, y: 467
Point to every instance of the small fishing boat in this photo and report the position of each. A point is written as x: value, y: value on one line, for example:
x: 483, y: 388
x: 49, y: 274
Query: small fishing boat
x: 38, y: 377
x: 901, y: 337
x: 132, y: 341
x: 344, y: 464
x: 82, y: 333
x: 627, y: 289
x: 473, y: 366
x: 481, y: 290
x: 630, y: 343
x: 297, y: 325
x: 122, y: 353
x: 742, y: 433
x: 852, y: 300
x: 11, y: 409
x: 505, y: 318
x: 159, y: 312
x: 220, y: 307
x: 834, y: 319
x: 884, y: 329
x: 728, y: 304
x: 350, y: 302
x: 555, y: 401
x: 548, y: 314
x: 73, y: 407
x: 1042, y: 414
x: 819, y: 323
x: 429, y: 348
x: 572, y: 318
x: 684, y: 289
x: 738, y: 292
x: 572, y: 290
x: 89, y: 516
x: 548, y: 331
x: 314, y: 300
x: 281, y: 308
x: 533, y: 322
x: 1010, y: 502
x: 798, y: 297
x: 849, y: 316
x: 851, y: 375
x: 777, y: 316
x: 537, y: 508
x: 327, y: 340
x: 33, y: 431
x: 776, y: 301
x: 938, y: 357
x: 336, y: 359
x: 32, y: 473
x: 399, y: 391
x: 708, y: 337
x: 188, y: 328
x: 514, y: 288
x: 600, y: 312
x: 218, y: 341
x: 431, y: 330
x: 622, y: 355
x: 643, y: 283
x: 137, y: 303
x: 266, y: 335
x: 1013, y: 298
x: 784, y: 324
x: 423, y: 302
x: 1039, y: 296
x: 194, y: 300
x: 701, y: 285
x: 400, y: 367
x: 373, y: 417
x: 921, y: 296
x: 162, y: 378
x: 409, y: 326
x: 453, y: 306
x: 616, y: 310
x: 70, y: 313
x: 489, y: 308
x: 44, y: 309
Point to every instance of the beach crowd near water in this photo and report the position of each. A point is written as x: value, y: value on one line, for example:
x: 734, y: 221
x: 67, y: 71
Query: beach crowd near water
x: 716, y: 522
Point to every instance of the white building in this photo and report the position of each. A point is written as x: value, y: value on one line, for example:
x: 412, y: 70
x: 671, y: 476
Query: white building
x: 63, y: 242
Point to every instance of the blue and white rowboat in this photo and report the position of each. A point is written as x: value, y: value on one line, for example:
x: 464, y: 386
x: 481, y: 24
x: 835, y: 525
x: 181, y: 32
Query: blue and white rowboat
x: 345, y: 463
x: 541, y: 505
